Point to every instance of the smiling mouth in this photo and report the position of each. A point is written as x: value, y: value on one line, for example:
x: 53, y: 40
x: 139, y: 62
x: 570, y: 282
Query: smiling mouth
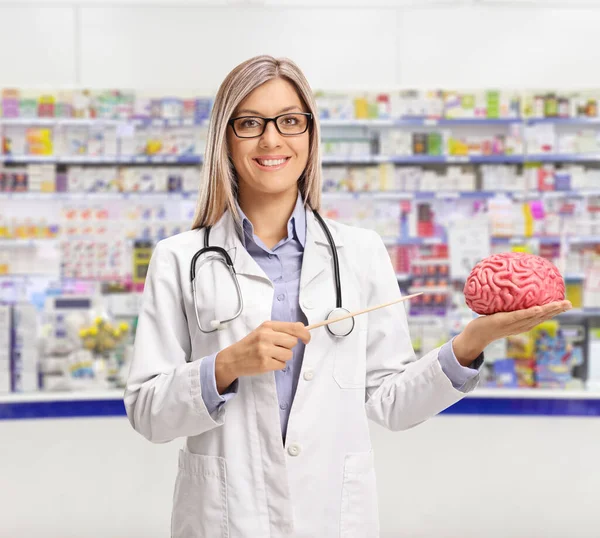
x: 271, y: 164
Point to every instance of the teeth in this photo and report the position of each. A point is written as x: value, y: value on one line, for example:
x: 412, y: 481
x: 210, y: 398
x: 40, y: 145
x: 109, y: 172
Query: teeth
x: 271, y: 162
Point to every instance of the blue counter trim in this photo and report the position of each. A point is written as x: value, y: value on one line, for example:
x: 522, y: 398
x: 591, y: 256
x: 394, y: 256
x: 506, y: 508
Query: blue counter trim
x: 468, y: 406
x: 61, y: 409
x: 526, y: 406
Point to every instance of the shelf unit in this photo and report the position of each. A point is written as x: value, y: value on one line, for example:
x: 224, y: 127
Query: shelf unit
x: 483, y: 401
x: 324, y: 122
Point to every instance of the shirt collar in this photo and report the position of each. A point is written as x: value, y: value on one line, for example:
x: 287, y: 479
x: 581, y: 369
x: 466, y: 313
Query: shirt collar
x: 296, y: 223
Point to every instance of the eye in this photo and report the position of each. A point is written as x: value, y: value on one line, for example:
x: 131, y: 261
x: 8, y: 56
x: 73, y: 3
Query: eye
x: 249, y: 123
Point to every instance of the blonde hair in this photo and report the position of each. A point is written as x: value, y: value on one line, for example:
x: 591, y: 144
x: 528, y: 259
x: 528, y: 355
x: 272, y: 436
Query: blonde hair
x: 218, y: 186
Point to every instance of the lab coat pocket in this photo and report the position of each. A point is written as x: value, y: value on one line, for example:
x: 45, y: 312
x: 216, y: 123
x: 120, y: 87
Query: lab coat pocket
x: 359, y: 512
x: 200, y: 499
x: 350, y: 365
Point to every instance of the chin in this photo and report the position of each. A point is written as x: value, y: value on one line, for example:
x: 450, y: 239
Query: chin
x: 271, y: 191
x: 272, y: 186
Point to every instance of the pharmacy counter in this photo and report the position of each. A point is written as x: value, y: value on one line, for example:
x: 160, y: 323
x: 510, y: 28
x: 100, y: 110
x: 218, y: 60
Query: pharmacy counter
x: 530, y: 402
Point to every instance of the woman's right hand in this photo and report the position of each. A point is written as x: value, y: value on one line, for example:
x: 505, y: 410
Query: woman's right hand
x: 265, y: 349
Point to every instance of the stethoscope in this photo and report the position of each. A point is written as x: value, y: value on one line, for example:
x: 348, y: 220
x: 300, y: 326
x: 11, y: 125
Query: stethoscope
x: 339, y: 329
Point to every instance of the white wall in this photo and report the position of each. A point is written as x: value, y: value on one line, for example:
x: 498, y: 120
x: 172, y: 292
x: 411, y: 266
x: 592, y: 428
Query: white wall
x: 193, y: 44
x: 452, y: 477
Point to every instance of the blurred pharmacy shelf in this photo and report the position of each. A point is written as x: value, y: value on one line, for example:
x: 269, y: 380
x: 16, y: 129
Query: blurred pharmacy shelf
x: 126, y: 127
x: 524, y: 393
x: 456, y: 122
x: 542, y: 240
x: 326, y: 159
x: 29, y: 397
x: 457, y: 159
x: 480, y: 402
x: 327, y: 195
x: 325, y: 122
x: 150, y: 196
x: 87, y: 122
x: 581, y: 312
x: 563, y: 121
x: 78, y: 159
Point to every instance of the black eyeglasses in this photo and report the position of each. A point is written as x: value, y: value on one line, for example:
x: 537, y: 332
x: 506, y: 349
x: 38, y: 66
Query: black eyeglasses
x: 292, y: 124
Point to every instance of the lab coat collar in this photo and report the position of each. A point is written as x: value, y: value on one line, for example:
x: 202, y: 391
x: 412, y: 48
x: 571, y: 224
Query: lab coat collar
x: 225, y: 233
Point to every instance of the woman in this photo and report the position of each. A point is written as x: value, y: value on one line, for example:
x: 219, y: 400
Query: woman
x: 276, y: 416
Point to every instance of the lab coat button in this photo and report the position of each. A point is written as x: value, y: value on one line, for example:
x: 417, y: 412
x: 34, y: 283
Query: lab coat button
x: 308, y: 375
x: 307, y: 304
x: 294, y: 450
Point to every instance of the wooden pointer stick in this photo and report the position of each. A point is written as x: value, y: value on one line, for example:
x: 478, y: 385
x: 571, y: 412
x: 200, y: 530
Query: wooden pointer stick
x: 352, y: 314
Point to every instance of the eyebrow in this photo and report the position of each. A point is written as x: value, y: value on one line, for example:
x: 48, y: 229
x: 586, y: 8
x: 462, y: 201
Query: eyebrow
x: 282, y: 111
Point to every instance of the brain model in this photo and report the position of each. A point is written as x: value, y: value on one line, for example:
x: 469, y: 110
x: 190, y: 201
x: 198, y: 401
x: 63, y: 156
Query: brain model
x: 512, y: 281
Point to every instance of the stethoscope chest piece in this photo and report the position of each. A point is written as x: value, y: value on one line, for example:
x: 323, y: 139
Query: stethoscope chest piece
x: 340, y: 328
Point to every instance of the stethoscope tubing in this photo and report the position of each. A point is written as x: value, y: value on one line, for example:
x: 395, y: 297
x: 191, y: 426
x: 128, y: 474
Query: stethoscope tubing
x: 226, y: 260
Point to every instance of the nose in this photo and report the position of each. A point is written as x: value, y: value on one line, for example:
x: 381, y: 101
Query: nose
x: 271, y: 137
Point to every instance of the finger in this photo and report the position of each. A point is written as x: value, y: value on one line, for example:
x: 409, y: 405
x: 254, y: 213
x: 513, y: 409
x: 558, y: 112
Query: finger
x: 527, y: 314
x: 553, y: 309
x: 281, y: 354
x: 545, y: 314
x: 546, y: 311
x: 520, y: 324
x: 565, y: 304
x: 298, y: 329
x: 274, y: 364
x: 549, y: 311
x: 285, y: 340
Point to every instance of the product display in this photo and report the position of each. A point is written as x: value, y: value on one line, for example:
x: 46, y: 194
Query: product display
x: 99, y: 179
x: 100, y: 104
x: 90, y: 181
x: 85, y: 342
x: 549, y: 356
x: 512, y: 281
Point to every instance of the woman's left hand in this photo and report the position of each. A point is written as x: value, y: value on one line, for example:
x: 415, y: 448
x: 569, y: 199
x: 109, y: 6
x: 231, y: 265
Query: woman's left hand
x: 482, y: 331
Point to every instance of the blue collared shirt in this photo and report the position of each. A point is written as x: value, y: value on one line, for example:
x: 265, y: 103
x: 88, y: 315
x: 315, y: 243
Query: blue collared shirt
x: 282, y: 264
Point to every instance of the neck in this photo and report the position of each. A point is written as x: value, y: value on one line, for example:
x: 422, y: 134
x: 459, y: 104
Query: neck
x: 269, y: 215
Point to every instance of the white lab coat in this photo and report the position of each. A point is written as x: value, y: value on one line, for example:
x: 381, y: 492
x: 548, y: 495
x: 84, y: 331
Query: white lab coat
x: 236, y: 478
